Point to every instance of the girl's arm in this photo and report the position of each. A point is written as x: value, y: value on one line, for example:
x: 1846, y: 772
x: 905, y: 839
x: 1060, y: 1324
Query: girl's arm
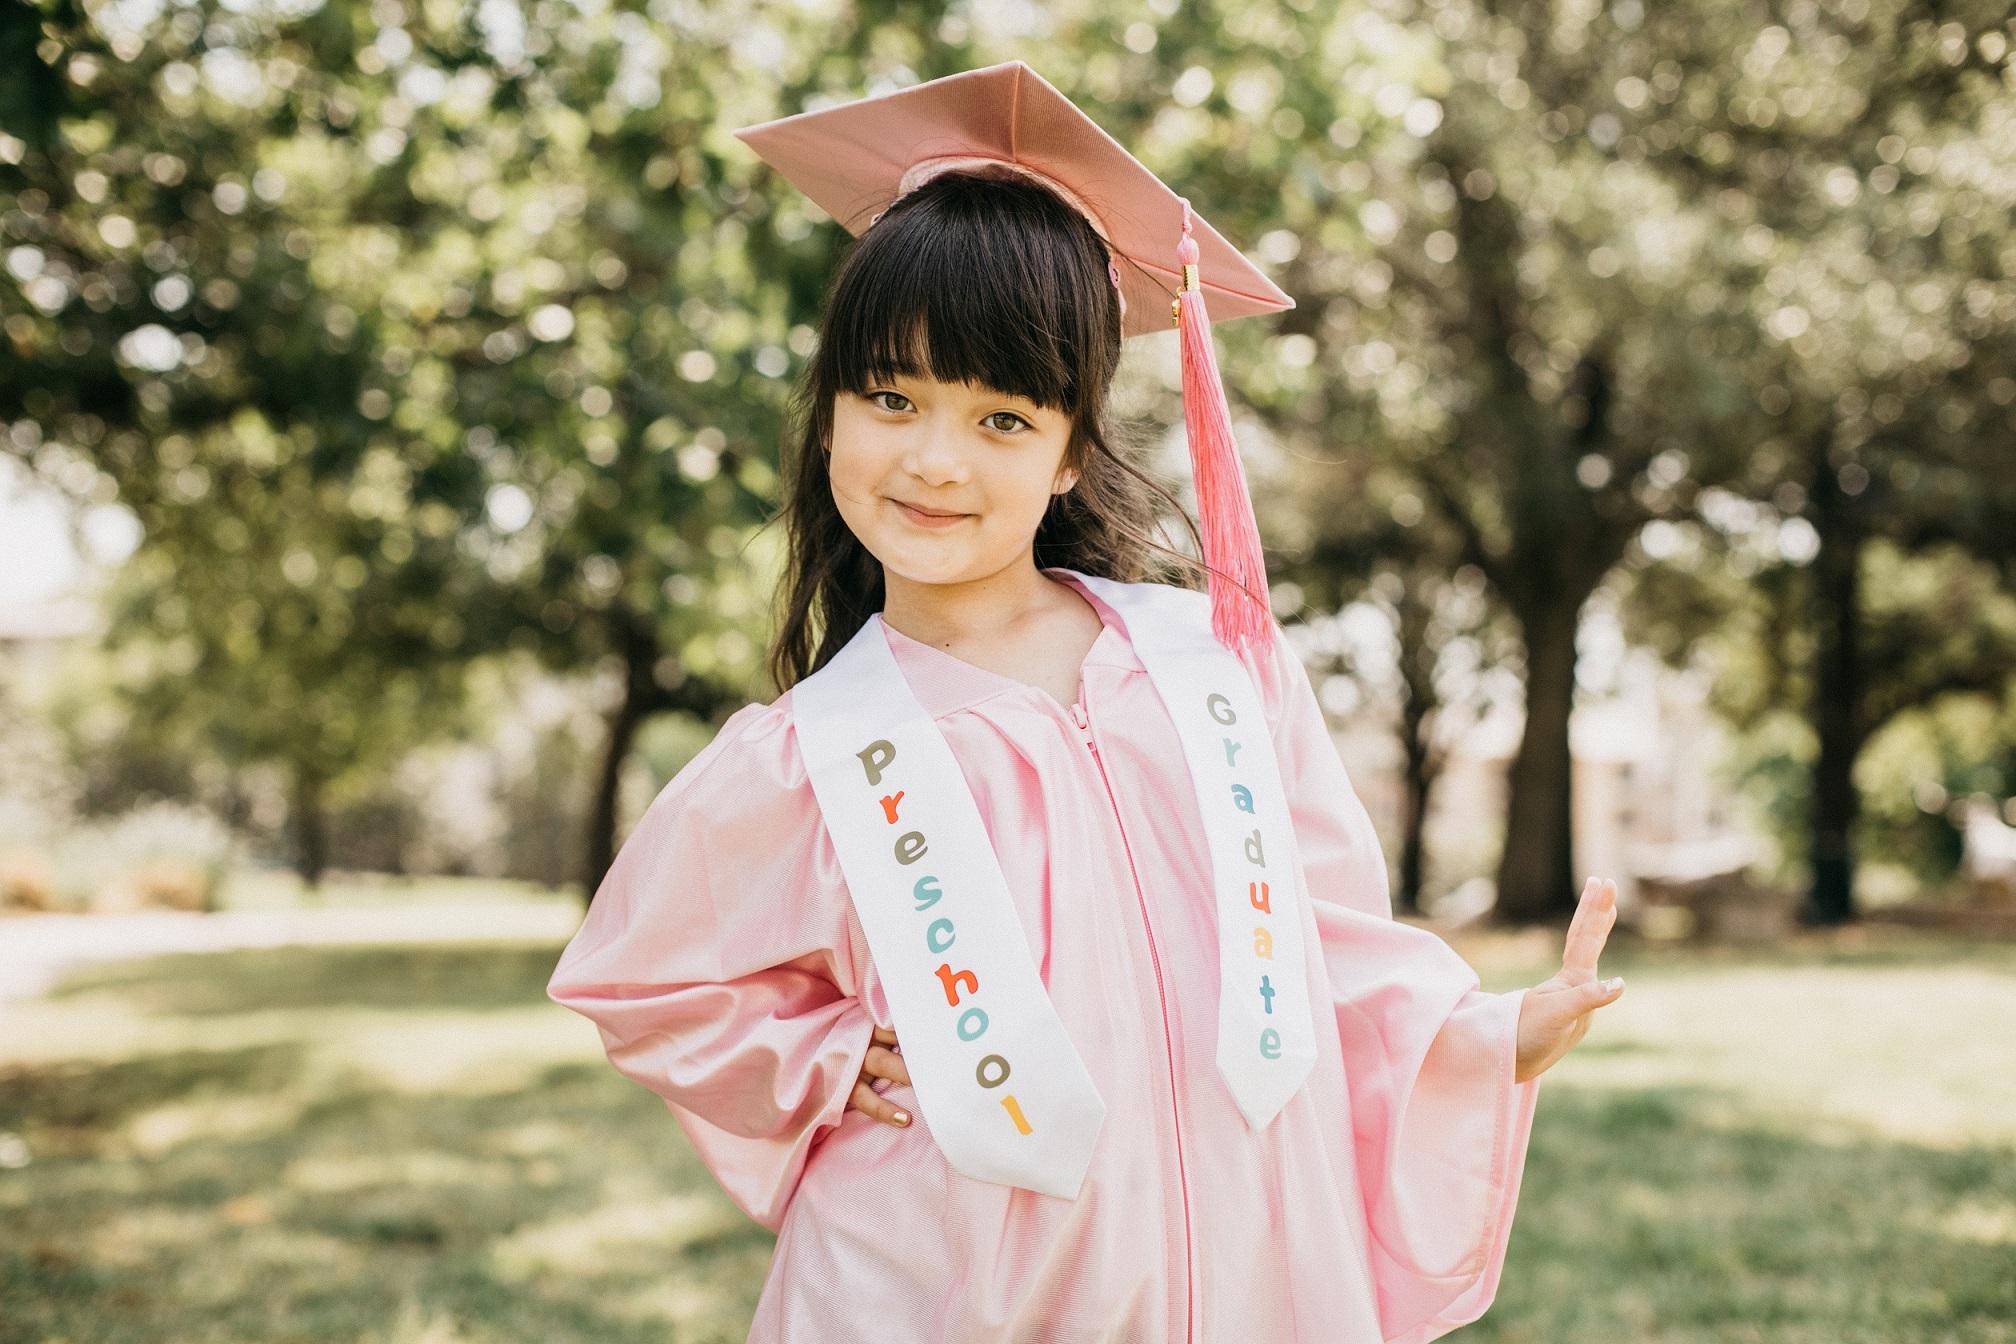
x: 1438, y: 1122
x: 716, y: 964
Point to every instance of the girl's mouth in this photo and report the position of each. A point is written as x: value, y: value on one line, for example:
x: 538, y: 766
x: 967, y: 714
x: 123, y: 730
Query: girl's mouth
x: 924, y: 519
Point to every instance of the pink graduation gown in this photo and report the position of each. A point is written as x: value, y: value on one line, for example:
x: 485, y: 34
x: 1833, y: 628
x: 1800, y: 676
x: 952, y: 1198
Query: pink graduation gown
x: 725, y: 969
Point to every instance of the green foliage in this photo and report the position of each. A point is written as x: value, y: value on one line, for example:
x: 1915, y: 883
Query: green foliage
x: 413, y: 333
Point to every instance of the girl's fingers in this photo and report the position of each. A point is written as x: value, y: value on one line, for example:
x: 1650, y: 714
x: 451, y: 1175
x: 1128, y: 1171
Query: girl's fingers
x: 883, y: 1062
x: 880, y: 1062
x: 1595, y: 913
x: 867, y: 1100
x: 1599, y: 992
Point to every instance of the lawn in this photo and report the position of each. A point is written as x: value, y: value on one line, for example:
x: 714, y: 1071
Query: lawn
x: 410, y: 1145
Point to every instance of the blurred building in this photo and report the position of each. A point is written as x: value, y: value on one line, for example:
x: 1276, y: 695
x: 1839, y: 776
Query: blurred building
x: 1648, y: 805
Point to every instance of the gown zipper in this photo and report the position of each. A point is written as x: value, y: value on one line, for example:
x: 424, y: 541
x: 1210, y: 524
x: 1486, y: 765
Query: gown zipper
x: 1082, y: 717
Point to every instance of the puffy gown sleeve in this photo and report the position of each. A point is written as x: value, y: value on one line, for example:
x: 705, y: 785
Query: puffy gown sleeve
x: 716, y: 961
x: 1439, y: 1126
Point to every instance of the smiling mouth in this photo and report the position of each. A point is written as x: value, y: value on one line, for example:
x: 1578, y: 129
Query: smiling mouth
x: 931, y: 514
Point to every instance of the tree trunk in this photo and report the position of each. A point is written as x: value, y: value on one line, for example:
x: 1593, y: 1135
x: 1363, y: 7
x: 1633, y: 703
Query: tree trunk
x: 311, y: 834
x: 642, y: 697
x: 600, y: 847
x: 1414, y: 801
x: 1837, y: 697
x: 1536, y: 879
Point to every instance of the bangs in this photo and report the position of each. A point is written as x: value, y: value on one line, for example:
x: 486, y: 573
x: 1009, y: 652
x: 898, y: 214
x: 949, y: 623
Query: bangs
x: 982, y: 281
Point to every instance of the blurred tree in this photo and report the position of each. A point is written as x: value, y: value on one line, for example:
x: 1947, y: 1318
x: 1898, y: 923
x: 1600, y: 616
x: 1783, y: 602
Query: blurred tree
x: 181, y: 345
x: 1571, y: 273
x: 1464, y: 314
x: 1931, y: 625
x: 1870, y: 158
x: 495, y: 295
x: 615, y: 294
x: 258, y: 633
x: 411, y: 334
x: 1379, y: 553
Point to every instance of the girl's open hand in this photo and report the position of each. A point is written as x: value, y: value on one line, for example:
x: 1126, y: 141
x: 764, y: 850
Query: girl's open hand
x: 881, y: 1062
x: 1554, y: 1015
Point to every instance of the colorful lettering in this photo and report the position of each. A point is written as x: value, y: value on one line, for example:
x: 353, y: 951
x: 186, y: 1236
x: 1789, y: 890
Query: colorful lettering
x: 875, y: 758
x: 939, y: 933
x: 1270, y: 1043
x: 1263, y: 943
x: 950, y: 978
x: 1253, y: 852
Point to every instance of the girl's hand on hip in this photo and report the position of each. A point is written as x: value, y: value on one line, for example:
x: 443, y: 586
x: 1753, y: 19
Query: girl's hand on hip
x: 1554, y: 1015
x: 881, y: 1062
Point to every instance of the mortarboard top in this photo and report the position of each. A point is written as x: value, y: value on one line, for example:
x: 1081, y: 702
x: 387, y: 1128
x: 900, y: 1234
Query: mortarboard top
x: 852, y: 161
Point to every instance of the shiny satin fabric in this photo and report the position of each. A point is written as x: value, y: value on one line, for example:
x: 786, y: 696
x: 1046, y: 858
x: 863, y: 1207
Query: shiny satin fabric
x: 724, y: 968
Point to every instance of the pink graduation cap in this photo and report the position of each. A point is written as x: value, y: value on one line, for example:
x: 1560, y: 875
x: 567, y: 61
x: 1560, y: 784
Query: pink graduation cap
x: 854, y: 160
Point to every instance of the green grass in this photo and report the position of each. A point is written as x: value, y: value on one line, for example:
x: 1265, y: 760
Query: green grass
x: 412, y: 1146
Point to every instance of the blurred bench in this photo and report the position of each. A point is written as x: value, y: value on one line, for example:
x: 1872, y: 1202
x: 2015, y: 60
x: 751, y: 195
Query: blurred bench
x: 1701, y: 889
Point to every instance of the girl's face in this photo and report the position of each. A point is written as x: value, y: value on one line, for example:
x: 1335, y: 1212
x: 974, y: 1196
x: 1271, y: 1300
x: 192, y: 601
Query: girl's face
x: 991, y: 458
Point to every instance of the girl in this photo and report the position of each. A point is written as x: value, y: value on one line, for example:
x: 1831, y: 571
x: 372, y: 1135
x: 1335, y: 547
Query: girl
x: 1169, y: 1070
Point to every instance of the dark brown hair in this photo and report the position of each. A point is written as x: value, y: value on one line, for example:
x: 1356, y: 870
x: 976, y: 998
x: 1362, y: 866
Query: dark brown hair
x: 974, y: 277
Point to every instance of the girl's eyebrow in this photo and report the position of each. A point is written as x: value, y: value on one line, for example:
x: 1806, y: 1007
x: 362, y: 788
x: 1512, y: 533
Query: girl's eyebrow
x: 997, y: 394
x: 977, y: 391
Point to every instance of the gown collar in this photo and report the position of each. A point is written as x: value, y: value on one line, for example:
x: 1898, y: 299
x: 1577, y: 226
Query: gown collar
x: 943, y: 682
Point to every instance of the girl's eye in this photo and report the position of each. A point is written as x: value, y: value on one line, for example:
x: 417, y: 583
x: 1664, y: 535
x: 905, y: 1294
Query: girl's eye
x: 875, y: 397
x: 1009, y: 428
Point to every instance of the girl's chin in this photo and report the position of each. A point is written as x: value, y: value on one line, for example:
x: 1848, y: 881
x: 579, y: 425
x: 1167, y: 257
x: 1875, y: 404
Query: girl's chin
x: 924, y: 563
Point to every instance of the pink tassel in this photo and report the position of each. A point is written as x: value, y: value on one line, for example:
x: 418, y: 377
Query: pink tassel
x: 1225, y: 518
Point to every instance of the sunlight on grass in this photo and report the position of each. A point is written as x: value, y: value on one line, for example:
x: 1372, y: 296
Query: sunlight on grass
x: 1862, y: 1030
x: 1910, y: 1053
x: 338, y: 1173
x: 467, y: 1053
x: 583, y: 1243
x: 1977, y: 1220
x: 161, y: 1129
x: 416, y: 1324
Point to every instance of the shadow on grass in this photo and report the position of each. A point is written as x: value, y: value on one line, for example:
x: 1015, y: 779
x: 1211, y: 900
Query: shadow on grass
x: 568, y: 1210
x: 325, y: 1205
x: 74, y: 1104
x: 463, y: 977
x: 1648, y: 1215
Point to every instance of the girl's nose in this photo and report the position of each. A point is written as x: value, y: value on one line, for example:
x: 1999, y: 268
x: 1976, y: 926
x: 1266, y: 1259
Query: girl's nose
x: 938, y: 457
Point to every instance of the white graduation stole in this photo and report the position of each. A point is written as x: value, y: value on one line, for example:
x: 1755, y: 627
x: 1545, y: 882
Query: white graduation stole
x: 1266, y: 1036
x: 1006, y: 1095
